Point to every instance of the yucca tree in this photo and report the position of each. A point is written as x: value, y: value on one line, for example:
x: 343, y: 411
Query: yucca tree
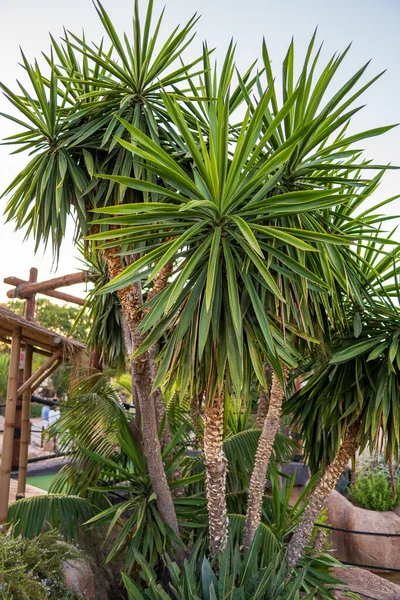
x: 349, y: 401
x: 351, y: 397
x: 247, y: 230
x: 352, y: 394
x: 69, y: 121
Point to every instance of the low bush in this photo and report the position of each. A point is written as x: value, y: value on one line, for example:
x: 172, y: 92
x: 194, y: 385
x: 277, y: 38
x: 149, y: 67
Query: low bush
x: 373, y: 491
x: 32, y: 569
x: 36, y: 411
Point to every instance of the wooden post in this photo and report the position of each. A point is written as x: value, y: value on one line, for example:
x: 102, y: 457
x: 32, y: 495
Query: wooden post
x: 9, y: 422
x: 25, y: 427
x: 29, y: 314
x: 26, y: 397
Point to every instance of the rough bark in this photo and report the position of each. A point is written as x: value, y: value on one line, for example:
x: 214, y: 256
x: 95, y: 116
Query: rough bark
x: 215, y: 464
x: 261, y: 461
x: 262, y: 408
x: 263, y: 401
x: 326, y: 484
x: 142, y: 382
x: 151, y: 443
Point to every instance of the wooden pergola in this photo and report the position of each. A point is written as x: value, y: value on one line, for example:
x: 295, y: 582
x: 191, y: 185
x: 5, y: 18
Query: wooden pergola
x: 26, y: 337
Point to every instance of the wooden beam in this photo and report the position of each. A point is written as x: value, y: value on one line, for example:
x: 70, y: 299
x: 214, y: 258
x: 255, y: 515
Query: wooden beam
x: 24, y: 290
x: 32, y: 342
x: 15, y: 281
x: 9, y: 422
x: 50, y: 348
x: 39, y: 381
x: 25, y: 426
x: 7, y: 340
x: 30, y: 382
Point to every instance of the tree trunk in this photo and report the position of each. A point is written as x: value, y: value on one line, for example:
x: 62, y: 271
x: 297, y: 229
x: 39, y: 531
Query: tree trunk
x: 326, y: 484
x: 142, y: 382
x: 151, y: 443
x: 263, y: 401
x: 262, y: 409
x: 261, y: 461
x: 215, y: 464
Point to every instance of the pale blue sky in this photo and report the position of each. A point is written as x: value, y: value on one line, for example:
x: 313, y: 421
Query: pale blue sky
x: 372, y: 25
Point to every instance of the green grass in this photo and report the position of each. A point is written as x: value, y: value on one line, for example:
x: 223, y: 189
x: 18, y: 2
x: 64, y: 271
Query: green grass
x: 41, y: 481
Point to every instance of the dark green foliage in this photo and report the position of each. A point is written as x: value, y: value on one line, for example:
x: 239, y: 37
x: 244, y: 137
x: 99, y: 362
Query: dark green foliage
x: 30, y: 516
x: 229, y: 577
x: 373, y: 491
x: 106, y: 485
x: 69, y: 118
x: 355, y: 380
x: 4, y: 362
x: 32, y: 569
x: 104, y: 314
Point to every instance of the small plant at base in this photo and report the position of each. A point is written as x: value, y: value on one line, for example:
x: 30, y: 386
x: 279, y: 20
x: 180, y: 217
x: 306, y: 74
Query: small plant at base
x: 373, y: 491
x: 32, y: 569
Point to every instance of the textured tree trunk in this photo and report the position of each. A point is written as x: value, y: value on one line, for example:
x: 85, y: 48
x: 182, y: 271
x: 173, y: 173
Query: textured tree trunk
x: 262, y: 408
x: 261, y: 461
x: 215, y: 463
x: 142, y: 382
x: 326, y: 484
x: 151, y: 443
x: 263, y: 401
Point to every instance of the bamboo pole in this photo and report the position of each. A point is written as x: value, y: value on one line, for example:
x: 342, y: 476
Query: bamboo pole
x: 29, y: 314
x: 9, y: 422
x: 25, y: 427
x: 41, y: 370
x: 39, y: 381
x: 15, y: 281
x: 28, y: 289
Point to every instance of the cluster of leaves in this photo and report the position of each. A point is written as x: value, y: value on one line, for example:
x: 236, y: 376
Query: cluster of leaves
x: 32, y: 569
x: 236, y: 578
x: 373, y: 491
x: 103, y: 312
x: 356, y: 381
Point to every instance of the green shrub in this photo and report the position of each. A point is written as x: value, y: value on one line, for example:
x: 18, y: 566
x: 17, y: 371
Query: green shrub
x: 373, y: 491
x: 32, y: 569
x: 36, y: 411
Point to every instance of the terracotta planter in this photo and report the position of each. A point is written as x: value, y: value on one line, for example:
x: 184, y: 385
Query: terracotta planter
x: 379, y: 551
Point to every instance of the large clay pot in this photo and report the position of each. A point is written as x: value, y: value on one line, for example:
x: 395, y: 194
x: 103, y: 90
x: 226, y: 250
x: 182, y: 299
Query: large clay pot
x: 361, y: 549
